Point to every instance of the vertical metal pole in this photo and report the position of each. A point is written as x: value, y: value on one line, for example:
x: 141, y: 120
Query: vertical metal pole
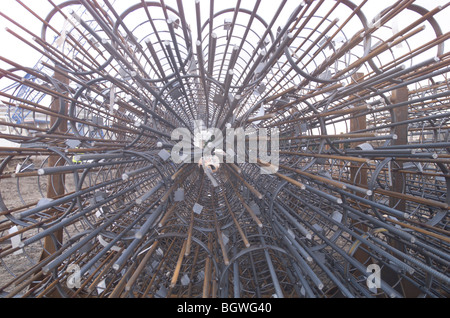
x: 55, y: 183
x: 236, y: 281
x: 359, y: 175
x: 400, y: 114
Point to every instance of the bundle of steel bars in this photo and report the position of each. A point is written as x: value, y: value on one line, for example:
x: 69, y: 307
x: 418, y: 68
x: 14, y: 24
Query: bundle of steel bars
x: 355, y: 94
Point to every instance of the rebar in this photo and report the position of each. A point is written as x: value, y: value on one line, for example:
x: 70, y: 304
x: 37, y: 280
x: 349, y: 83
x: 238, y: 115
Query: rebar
x: 93, y: 203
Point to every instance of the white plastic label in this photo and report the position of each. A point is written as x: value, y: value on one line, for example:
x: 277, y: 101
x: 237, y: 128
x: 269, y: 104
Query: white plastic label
x: 16, y: 240
x: 197, y: 208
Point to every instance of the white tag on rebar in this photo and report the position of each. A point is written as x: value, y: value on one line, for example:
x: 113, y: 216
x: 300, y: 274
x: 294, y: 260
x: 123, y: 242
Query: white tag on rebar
x: 104, y: 244
x: 99, y: 212
x: 318, y: 228
x: 303, y: 291
x: 160, y: 252
x: 101, y: 286
x: 72, y: 143
x: 62, y: 38
x: 337, y: 216
x: 185, y: 280
x: 164, y: 154
x: 225, y: 239
x: 201, y: 276
x: 365, y: 147
x: 16, y: 240
x: 179, y: 195
x: 43, y: 201
x: 112, y: 98
x: 291, y: 233
x: 255, y: 208
x: 197, y: 208
x: 162, y: 292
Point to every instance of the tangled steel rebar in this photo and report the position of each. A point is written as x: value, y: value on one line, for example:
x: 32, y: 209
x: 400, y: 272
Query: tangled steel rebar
x: 354, y: 95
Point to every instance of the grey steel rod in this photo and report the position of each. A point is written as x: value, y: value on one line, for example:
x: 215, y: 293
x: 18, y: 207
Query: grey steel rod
x: 360, y: 176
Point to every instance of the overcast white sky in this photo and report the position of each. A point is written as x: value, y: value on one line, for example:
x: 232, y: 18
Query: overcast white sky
x: 14, y: 49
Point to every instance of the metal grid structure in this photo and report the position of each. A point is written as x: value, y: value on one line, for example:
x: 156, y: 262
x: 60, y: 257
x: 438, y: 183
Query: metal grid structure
x: 92, y: 204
